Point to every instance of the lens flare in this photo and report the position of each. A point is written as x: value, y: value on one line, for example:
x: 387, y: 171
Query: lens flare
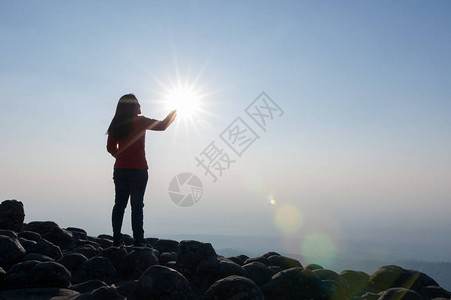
x: 288, y: 219
x: 318, y: 248
x: 186, y: 100
x: 271, y: 200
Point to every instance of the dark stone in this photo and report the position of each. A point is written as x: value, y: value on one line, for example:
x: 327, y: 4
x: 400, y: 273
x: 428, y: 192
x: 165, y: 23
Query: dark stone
x: 356, y: 280
x: 51, y: 274
x: 325, y: 274
x: 159, y: 282
x: 105, y: 243
x: 271, y: 253
x: 400, y: 294
x: 88, y: 286
x: 432, y: 292
x: 77, y: 233
x: 262, y: 259
x: 312, y: 267
x: 369, y: 296
x: 236, y: 260
x: 53, y: 233
x: 11, y: 215
x: 258, y: 272
x: 395, y: 276
x: 31, y: 274
x: 125, y: 288
x: 234, y: 287
x: 114, y: 255
x: 30, y: 235
x: 105, y: 236
x: 283, y: 262
x: 27, y: 244
x: 39, y: 294
x: 11, y: 251
x: 2, y: 273
x: 335, y: 289
x: 95, y: 268
x: 295, y: 283
x: 9, y: 233
x: 152, y: 241
x: 189, y: 255
x: 102, y: 293
x: 166, y: 257
x: 87, y: 250
x: 165, y: 245
x: 135, y: 263
x: 73, y: 261
x: 213, y: 268
x: 37, y: 256
x: 47, y: 248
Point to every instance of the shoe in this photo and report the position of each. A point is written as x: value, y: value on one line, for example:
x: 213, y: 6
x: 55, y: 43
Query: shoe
x: 118, y: 244
x: 142, y: 246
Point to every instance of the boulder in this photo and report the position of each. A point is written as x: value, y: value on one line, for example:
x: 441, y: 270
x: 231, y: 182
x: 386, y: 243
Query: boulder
x: 73, y: 261
x: 95, y: 268
x: 33, y: 274
x: 234, y: 287
x: 114, y: 255
x: 236, y: 260
x: 270, y: 253
x: 87, y: 250
x: 37, y: 256
x: 27, y: 244
x: 294, y: 283
x: 262, y: 259
x: 135, y: 263
x: 2, y: 274
x: 159, y: 282
x: 312, y: 267
x: 165, y: 245
x: 166, y: 257
x: 258, y: 272
x: 213, y: 268
x: 189, y: 255
x: 53, y: 233
x: 88, y: 286
x: 11, y: 251
x: 77, y: 233
x: 394, y: 276
x: 9, y: 233
x: 325, y: 274
x: 357, y: 281
x: 39, y: 294
x: 432, y: 292
x: 126, y: 287
x: 400, y: 294
x: 30, y: 235
x: 11, y: 215
x: 102, y: 293
x: 283, y: 262
x: 47, y: 248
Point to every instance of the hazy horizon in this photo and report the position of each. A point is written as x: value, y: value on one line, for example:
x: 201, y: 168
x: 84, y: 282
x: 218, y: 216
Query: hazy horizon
x: 360, y: 148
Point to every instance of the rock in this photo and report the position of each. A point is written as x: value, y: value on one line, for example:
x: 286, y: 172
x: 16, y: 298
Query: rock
x: 356, y: 280
x: 125, y: 288
x: 9, y: 233
x: 11, y: 215
x: 95, y: 268
x: 73, y: 261
x: 234, y: 287
x: 283, y: 262
x: 262, y: 259
x: 33, y: 274
x: 151, y: 241
x: 258, y: 272
x: 335, y: 289
x: 87, y: 250
x: 77, y: 233
x: 30, y: 235
x: 2, y: 273
x: 159, y: 282
x: 166, y: 257
x: 432, y: 292
x: 88, y: 286
x: 51, y: 274
x: 400, y: 294
x: 37, y: 256
x: 189, y: 255
x: 236, y: 260
x: 325, y: 274
x: 114, y: 255
x: 295, y: 283
x: 102, y: 293
x: 135, y: 263
x: 27, y: 244
x: 53, y: 233
x: 11, y: 251
x: 312, y: 267
x: 165, y: 245
x: 47, y: 248
x: 395, y: 276
x: 271, y: 253
x: 39, y: 294
x: 213, y: 268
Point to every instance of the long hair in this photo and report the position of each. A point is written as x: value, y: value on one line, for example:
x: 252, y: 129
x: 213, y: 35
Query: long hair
x: 122, y: 122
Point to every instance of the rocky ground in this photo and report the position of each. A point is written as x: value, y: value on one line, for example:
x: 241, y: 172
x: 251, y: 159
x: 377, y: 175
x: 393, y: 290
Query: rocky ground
x: 40, y: 260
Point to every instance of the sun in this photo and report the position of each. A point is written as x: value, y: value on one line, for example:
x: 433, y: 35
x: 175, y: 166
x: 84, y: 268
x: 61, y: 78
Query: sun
x: 185, y: 100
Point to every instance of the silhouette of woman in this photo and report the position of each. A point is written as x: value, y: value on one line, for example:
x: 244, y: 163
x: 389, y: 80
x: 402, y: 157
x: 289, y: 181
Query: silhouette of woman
x: 126, y: 140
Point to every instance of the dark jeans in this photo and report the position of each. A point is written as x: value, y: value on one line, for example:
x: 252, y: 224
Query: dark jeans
x: 129, y: 183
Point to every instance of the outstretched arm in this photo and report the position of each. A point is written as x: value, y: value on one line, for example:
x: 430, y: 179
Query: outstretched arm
x: 162, y: 125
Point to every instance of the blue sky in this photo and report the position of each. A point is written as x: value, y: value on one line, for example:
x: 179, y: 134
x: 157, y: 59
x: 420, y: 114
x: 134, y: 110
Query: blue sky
x: 363, y: 144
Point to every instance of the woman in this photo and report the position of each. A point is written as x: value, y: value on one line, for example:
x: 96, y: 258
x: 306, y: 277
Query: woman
x: 126, y: 140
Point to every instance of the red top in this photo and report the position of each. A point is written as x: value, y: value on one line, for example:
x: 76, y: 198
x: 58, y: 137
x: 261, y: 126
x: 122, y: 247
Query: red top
x: 130, y: 152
